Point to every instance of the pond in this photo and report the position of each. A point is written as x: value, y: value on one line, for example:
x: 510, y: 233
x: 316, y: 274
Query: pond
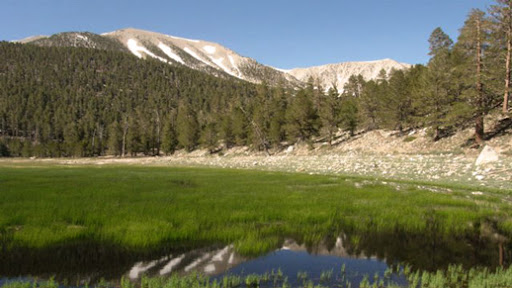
x: 348, y: 258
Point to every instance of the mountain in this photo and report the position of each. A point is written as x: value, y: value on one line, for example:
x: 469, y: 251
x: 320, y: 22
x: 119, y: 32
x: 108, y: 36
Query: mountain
x: 213, y: 58
x: 30, y: 39
x: 200, y: 55
x: 339, y: 74
x: 76, y: 39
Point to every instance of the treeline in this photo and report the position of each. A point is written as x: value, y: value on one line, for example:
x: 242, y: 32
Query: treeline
x: 57, y: 101
x: 66, y: 102
x: 461, y: 84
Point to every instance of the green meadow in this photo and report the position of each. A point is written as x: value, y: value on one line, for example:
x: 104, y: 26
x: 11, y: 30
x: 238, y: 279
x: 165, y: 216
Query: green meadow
x: 144, y: 208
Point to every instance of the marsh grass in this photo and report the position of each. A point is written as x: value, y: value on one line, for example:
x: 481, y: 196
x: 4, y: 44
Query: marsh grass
x: 144, y: 208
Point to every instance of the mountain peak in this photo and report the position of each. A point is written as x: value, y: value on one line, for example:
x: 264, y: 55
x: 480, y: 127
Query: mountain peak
x: 213, y: 58
x: 201, y: 55
x: 339, y: 73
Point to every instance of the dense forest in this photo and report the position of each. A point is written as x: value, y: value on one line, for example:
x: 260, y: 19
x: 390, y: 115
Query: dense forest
x: 74, y: 102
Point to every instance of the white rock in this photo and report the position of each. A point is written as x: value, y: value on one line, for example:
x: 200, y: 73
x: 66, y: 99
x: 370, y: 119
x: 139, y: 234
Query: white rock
x: 488, y: 155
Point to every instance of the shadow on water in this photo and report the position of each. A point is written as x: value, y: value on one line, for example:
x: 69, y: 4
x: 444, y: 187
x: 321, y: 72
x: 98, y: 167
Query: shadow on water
x: 362, y: 253
x: 75, y: 262
x: 429, y: 252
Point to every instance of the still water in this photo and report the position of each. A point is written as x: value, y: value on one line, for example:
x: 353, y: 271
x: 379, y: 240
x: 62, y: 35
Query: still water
x: 360, y: 254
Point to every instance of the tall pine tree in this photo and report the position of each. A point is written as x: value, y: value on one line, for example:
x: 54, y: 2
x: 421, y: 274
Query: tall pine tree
x: 471, y: 41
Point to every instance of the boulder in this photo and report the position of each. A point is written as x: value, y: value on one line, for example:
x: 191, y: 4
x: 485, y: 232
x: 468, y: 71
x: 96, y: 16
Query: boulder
x: 488, y: 155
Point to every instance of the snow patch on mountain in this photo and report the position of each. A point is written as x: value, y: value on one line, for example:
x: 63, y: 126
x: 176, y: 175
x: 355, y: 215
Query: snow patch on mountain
x: 189, y: 40
x: 219, y: 62
x: 282, y: 70
x: 82, y: 37
x: 193, y: 54
x: 232, y: 61
x: 137, y: 50
x: 169, y: 52
x: 209, y: 49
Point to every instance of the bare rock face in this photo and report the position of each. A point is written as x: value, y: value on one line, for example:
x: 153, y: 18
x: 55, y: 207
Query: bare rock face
x: 488, y: 155
x: 339, y: 73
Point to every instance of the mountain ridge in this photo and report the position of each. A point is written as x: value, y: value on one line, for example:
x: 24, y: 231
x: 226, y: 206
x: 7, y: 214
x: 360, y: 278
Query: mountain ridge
x: 337, y: 74
x: 214, y: 58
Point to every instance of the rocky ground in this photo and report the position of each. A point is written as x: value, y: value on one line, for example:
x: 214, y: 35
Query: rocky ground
x: 380, y: 154
x: 447, y: 168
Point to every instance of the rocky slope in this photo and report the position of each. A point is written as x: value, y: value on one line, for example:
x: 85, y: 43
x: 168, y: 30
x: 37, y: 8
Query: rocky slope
x: 198, y: 54
x: 339, y: 73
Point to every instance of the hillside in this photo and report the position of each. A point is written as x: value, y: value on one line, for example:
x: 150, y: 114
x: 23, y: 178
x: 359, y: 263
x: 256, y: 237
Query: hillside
x: 61, y: 101
x: 213, y: 58
x: 203, y: 56
x: 76, y: 39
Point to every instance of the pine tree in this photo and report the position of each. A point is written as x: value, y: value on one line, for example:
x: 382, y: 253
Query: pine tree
x: 354, y: 86
x: 502, y: 35
x: 330, y: 113
x: 278, y: 107
x: 352, y: 100
x: 301, y: 117
x: 349, y: 114
x: 188, y: 127
x: 368, y: 105
x: 434, y: 98
x: 240, y: 127
x: 210, y: 136
x: 4, y: 150
x: 114, y: 138
x: 170, y: 138
x: 471, y: 41
x: 439, y: 42
x: 396, y: 101
x: 260, y: 118
x: 226, y: 131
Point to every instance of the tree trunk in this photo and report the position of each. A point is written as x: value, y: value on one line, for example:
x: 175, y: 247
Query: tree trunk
x: 125, y: 132
x: 479, y: 121
x: 437, y: 134
x: 502, y: 252
x: 93, y: 146
x: 3, y: 127
x: 261, y: 135
x: 157, y: 132
x: 100, y: 139
x: 507, y: 63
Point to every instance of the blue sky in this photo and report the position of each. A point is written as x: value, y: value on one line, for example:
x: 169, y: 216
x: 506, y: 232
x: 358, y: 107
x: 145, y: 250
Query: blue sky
x: 280, y: 33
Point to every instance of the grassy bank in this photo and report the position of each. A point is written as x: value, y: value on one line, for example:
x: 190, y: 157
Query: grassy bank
x: 453, y: 277
x: 142, y: 207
